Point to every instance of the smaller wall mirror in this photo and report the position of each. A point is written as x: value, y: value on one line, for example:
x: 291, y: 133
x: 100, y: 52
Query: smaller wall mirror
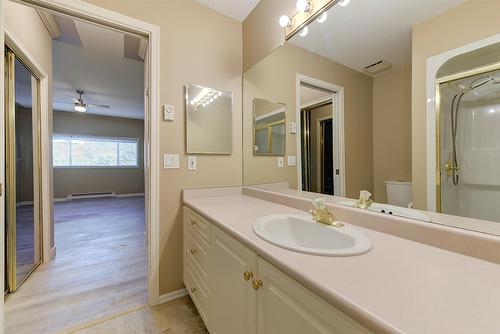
x: 209, y: 123
x: 269, y: 127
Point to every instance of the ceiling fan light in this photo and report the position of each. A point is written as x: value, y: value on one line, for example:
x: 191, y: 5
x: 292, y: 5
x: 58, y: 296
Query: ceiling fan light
x: 80, y: 108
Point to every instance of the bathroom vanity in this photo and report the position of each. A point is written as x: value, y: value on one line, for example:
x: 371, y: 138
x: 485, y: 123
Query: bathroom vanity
x: 405, y: 284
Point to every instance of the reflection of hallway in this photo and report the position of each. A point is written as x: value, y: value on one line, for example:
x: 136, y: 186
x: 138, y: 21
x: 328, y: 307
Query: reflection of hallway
x: 100, y: 268
x: 25, y: 240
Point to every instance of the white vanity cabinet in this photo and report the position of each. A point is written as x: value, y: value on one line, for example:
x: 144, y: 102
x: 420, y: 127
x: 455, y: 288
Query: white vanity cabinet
x: 236, y: 291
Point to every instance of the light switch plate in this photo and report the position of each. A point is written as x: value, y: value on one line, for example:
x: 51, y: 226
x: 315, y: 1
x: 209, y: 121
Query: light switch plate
x: 281, y: 162
x: 292, y: 160
x: 293, y: 127
x: 170, y: 161
x: 192, y: 163
x: 168, y: 112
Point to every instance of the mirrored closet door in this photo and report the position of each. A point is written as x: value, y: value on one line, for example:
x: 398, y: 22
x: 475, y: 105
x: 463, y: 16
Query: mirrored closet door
x: 22, y: 189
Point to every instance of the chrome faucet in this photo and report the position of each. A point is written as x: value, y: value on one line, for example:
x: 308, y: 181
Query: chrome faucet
x: 322, y: 215
x: 364, y: 201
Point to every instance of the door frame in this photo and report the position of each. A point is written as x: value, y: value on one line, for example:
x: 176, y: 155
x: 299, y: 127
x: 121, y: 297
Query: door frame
x: 337, y: 99
x: 104, y: 17
x: 40, y: 118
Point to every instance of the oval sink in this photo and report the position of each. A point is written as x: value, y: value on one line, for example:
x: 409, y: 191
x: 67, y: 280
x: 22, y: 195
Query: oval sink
x: 302, y: 234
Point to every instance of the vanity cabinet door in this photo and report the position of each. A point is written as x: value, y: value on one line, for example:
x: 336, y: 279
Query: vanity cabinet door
x: 285, y: 307
x: 234, y: 301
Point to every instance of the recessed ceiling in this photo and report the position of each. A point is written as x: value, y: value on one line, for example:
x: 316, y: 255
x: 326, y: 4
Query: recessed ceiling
x: 365, y: 32
x: 236, y: 9
x: 103, y: 63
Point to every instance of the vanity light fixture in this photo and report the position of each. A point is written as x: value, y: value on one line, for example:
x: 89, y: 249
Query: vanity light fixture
x: 285, y: 21
x: 344, y: 3
x: 303, y: 6
x: 304, y: 31
x: 322, y: 18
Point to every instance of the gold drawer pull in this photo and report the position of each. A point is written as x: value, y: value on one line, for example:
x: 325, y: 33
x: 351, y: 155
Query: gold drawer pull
x: 193, y: 289
x: 247, y: 275
x: 257, y: 284
x: 193, y: 222
x: 193, y: 251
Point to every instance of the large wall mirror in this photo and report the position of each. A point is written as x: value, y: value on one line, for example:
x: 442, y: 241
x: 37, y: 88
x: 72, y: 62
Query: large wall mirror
x: 404, y: 108
x: 209, y: 120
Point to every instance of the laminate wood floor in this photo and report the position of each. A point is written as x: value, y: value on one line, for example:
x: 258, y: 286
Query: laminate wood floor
x: 175, y: 317
x: 100, y: 269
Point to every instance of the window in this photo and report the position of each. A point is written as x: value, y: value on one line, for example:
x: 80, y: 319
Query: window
x: 81, y: 151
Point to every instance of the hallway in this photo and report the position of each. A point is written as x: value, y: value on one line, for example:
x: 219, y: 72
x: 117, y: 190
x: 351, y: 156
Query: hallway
x: 100, y: 268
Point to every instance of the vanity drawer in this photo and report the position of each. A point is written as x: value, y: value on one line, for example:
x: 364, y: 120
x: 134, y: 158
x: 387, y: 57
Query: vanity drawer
x: 198, y: 292
x: 199, y: 224
x: 197, y: 251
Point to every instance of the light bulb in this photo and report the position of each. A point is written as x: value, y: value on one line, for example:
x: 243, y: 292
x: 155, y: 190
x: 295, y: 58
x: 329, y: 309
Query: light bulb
x: 211, y: 100
x: 285, y: 21
x: 344, y: 3
x: 322, y: 18
x: 303, y: 5
x: 304, y: 31
x: 220, y: 93
x: 80, y: 108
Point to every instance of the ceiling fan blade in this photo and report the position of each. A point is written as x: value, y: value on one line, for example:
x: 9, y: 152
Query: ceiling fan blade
x: 104, y: 106
x: 62, y: 102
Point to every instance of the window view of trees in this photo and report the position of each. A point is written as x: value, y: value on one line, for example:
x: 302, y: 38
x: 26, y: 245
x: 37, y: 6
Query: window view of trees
x: 73, y: 151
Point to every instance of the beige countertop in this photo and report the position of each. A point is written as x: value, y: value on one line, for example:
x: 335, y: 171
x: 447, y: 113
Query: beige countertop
x: 400, y: 286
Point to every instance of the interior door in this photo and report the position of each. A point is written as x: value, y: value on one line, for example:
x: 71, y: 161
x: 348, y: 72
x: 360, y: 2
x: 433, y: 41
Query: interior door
x: 327, y: 167
x: 22, y: 205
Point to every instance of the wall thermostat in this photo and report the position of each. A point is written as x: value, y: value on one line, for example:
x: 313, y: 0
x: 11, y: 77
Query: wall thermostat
x: 168, y: 112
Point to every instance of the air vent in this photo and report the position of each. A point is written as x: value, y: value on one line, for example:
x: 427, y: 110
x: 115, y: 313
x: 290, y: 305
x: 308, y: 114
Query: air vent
x: 377, y: 67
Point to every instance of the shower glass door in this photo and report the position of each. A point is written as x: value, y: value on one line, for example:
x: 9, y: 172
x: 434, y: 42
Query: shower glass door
x: 22, y: 203
x: 469, y: 123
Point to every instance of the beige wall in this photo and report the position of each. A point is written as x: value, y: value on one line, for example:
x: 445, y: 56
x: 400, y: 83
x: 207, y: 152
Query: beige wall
x: 274, y: 79
x: 198, y: 46
x: 261, y: 31
x: 28, y: 28
x: 472, y: 21
x: 83, y: 180
x: 391, y: 129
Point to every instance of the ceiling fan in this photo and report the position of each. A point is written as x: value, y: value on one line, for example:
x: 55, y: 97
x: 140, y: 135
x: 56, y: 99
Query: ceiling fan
x: 80, y: 106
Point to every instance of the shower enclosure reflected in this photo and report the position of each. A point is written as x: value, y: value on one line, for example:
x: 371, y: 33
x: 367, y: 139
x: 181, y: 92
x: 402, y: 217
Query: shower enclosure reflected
x: 469, y: 123
x: 22, y: 199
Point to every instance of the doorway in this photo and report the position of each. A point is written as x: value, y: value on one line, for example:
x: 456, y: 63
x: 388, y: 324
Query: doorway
x: 22, y: 186
x: 320, y: 143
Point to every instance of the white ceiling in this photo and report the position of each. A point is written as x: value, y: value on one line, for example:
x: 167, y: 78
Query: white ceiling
x: 92, y: 59
x: 237, y: 9
x: 366, y: 31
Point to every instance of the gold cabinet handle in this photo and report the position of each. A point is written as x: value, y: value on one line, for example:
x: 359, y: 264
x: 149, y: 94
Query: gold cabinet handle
x: 247, y: 275
x: 193, y: 251
x: 193, y: 222
x: 193, y: 289
x: 256, y: 284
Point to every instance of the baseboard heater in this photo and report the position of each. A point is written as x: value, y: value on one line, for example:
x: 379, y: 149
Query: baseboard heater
x: 90, y: 195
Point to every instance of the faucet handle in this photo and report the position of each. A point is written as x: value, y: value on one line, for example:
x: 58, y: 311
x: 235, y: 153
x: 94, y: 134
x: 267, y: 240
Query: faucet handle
x: 364, y: 201
x: 319, y: 203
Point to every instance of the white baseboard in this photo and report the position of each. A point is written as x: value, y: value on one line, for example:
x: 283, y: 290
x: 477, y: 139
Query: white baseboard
x: 64, y: 199
x: 131, y: 195
x: 172, y: 296
x: 52, y: 253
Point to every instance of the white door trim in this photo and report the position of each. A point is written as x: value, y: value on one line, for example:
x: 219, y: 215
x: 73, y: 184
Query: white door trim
x: 118, y: 21
x: 339, y: 144
x: 2, y: 166
x: 434, y: 63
